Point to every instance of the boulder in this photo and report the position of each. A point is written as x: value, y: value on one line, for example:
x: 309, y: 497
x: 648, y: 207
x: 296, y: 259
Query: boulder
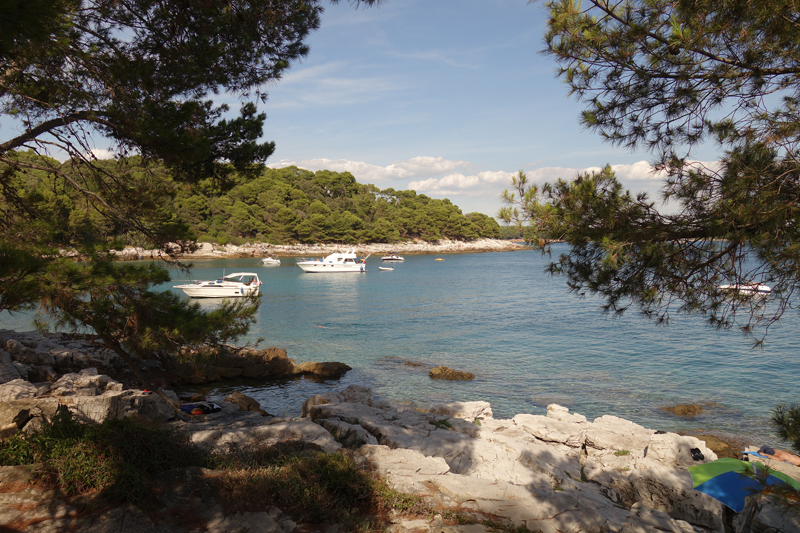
x: 349, y: 435
x: 572, y: 434
x: 685, y: 409
x: 562, y: 413
x: 469, y: 411
x: 245, y: 403
x: 19, y: 388
x: 442, y: 372
x: 87, y: 382
x: 354, y: 394
x: 328, y: 370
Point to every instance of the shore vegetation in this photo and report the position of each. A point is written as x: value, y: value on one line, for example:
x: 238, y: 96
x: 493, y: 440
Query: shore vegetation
x: 120, y: 460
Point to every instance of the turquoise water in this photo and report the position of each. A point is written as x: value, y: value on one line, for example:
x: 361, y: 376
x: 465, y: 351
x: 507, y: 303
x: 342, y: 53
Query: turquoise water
x: 527, y: 340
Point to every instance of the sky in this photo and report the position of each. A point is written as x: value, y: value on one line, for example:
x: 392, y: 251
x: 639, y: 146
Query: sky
x: 449, y: 98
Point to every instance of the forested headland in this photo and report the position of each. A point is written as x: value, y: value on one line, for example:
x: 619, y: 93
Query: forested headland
x: 289, y: 205
x: 278, y: 206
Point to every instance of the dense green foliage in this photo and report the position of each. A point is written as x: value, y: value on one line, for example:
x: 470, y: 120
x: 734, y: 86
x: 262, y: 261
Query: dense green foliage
x: 143, y: 78
x: 670, y: 77
x: 287, y: 205
x: 786, y: 419
x: 292, y: 205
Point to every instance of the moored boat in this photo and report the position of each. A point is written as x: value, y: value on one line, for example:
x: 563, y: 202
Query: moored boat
x: 270, y: 261
x: 392, y: 257
x: 335, y: 262
x: 748, y: 288
x: 385, y: 268
x: 234, y: 285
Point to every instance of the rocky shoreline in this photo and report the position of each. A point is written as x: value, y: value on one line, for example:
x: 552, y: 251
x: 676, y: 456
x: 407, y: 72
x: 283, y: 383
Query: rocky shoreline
x: 553, y: 473
x: 215, y: 251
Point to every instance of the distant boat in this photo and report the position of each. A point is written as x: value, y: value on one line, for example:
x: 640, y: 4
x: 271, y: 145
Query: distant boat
x: 336, y: 262
x: 392, y: 257
x: 271, y: 261
x: 385, y: 268
x: 231, y: 286
x: 747, y: 288
x: 438, y: 259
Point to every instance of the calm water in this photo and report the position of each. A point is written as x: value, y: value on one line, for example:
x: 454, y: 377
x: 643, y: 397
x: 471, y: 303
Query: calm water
x: 527, y: 340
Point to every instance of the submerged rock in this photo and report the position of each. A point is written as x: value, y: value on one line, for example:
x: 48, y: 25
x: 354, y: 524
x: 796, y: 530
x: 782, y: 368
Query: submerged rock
x: 685, y: 409
x: 442, y: 372
x: 328, y: 370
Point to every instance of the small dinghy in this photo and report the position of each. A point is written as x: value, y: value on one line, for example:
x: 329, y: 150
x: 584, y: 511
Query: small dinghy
x: 385, y: 268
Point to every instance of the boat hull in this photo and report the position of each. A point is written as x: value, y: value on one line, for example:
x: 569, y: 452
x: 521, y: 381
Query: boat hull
x: 334, y: 263
x: 236, y: 285
x: 317, y: 267
x: 201, y: 291
x: 748, y: 288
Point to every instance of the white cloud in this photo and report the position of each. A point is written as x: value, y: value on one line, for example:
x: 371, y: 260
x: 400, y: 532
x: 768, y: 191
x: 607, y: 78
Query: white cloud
x: 100, y: 153
x: 438, y: 177
x: 436, y: 56
x: 636, y: 172
x: 325, y: 85
x: 416, y: 167
x: 363, y: 172
x: 426, y: 166
x: 453, y: 185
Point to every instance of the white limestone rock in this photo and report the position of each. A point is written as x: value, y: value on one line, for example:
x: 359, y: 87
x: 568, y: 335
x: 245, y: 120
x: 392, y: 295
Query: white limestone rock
x: 248, y: 428
x: 87, y: 382
x: 349, y: 435
x: 572, y: 434
x: 644, y: 520
x: 17, y: 389
x: 469, y: 411
x: 675, y: 450
x: 562, y: 413
x: 609, y: 434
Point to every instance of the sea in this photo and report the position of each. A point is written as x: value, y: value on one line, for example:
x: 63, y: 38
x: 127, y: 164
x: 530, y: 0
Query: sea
x: 527, y: 339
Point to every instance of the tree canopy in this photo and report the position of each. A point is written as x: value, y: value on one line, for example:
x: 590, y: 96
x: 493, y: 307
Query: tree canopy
x: 290, y: 205
x: 143, y: 76
x: 670, y: 78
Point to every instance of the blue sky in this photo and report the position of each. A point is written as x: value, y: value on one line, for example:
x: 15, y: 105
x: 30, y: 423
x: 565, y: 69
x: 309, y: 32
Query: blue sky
x: 449, y: 98
x: 445, y: 97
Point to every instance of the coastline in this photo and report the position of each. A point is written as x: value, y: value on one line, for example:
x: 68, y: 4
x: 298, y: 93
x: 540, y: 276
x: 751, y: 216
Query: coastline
x: 207, y: 250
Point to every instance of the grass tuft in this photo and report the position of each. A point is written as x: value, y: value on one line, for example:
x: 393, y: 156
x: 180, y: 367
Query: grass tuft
x: 119, y: 456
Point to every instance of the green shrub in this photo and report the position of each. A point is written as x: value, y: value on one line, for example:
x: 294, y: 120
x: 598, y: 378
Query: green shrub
x: 786, y: 420
x: 117, y: 456
x: 311, y: 487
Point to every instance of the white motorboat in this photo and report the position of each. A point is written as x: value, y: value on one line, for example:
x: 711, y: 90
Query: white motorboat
x: 392, y: 257
x: 336, y: 262
x: 228, y: 286
x: 385, y: 268
x: 270, y: 261
x: 748, y: 288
